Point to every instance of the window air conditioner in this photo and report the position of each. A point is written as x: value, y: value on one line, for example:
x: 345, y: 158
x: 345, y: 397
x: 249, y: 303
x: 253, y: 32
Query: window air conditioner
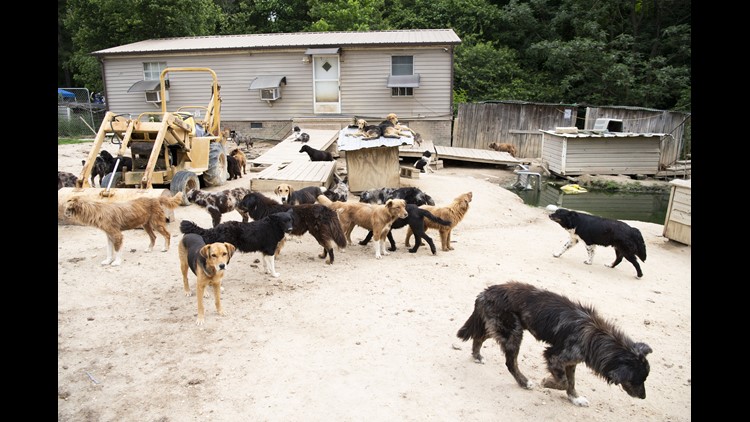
x: 270, y: 94
x: 155, y: 96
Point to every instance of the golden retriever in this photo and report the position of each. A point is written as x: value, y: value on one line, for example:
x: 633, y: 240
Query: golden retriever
x: 208, y: 262
x: 454, y: 212
x: 503, y: 147
x: 396, y: 128
x: 115, y: 217
x: 373, y: 217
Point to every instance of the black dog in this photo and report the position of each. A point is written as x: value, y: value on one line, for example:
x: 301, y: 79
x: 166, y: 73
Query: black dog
x: 316, y: 154
x: 415, y: 220
x: 233, y: 168
x: 266, y: 235
x: 410, y: 195
x: 594, y: 230
x: 98, y: 169
x: 104, y: 163
x: 423, y: 162
x: 322, y: 222
x: 575, y: 334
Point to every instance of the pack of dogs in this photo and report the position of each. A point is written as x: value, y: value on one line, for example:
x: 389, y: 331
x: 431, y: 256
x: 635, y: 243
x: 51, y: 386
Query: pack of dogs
x: 388, y: 128
x: 574, y: 333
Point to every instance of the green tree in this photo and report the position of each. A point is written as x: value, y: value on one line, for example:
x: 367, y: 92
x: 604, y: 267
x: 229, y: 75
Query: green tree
x: 100, y: 24
x: 346, y: 15
x: 263, y: 16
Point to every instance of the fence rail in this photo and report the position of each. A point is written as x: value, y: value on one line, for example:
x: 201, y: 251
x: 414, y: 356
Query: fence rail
x: 77, y: 113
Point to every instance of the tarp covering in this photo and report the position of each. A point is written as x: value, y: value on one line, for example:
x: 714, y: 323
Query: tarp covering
x: 65, y: 94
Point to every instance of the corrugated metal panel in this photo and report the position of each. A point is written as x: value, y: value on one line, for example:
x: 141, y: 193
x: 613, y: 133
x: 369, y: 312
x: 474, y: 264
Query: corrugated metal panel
x: 322, y: 51
x: 298, y: 39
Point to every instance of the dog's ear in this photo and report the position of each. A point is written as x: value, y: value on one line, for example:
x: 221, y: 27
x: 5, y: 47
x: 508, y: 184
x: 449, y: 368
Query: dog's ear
x: 291, y: 191
x: 230, y: 250
x: 205, y: 251
x: 277, y: 191
x: 642, y: 349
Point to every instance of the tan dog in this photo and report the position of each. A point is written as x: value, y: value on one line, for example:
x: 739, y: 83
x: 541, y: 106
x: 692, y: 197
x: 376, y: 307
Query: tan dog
x: 503, y: 147
x: 208, y: 263
x: 397, y: 128
x: 115, y: 217
x: 367, y: 131
x: 454, y: 213
x: 241, y: 159
x: 373, y: 217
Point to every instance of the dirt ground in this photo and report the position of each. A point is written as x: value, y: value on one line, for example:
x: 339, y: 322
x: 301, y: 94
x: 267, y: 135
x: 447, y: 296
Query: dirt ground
x: 362, y: 339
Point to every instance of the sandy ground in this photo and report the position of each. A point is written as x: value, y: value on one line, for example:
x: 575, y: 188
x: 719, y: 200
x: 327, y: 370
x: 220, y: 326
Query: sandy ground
x: 362, y: 339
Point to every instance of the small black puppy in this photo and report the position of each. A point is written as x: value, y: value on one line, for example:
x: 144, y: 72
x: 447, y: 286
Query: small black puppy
x: 424, y: 162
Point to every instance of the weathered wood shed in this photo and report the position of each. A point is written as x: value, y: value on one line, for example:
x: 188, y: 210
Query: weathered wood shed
x: 573, y: 154
x: 677, y: 224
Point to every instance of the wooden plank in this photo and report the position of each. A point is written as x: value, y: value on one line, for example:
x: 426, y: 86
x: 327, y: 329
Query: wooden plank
x: 298, y: 174
x: 416, y: 151
x: 287, y: 150
x: 476, y: 155
x: 372, y: 168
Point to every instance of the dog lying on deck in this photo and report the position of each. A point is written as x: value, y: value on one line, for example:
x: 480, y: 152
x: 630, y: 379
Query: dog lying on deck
x: 320, y: 221
x: 115, y: 217
x: 266, y: 236
x: 366, y: 131
x: 306, y: 195
x: 376, y: 218
x: 316, y: 154
x: 594, y: 230
x: 503, y: 147
x: 218, y: 203
x: 208, y: 262
x: 573, y: 332
x: 453, y: 212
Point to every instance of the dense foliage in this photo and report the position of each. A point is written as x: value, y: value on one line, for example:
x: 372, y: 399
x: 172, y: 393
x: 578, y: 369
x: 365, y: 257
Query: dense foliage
x: 615, y: 52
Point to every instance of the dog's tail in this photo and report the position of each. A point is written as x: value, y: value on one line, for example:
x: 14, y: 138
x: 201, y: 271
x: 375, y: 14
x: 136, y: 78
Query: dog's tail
x: 323, y: 200
x: 474, y: 326
x: 337, y: 232
x: 640, y: 244
x: 171, y: 202
x: 187, y: 226
x: 433, y: 217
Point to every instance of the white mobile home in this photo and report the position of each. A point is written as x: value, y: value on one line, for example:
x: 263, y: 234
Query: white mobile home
x: 271, y: 82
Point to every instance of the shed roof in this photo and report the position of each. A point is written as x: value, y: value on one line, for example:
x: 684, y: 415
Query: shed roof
x: 411, y: 37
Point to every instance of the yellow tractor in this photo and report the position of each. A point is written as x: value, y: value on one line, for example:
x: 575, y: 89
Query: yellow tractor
x: 172, y: 150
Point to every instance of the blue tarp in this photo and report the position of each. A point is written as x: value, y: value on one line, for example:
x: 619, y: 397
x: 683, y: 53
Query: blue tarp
x: 65, y: 94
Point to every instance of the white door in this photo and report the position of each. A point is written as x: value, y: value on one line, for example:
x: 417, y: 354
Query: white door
x: 326, y: 84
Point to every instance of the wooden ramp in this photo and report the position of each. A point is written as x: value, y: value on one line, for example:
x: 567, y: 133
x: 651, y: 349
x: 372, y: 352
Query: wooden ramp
x: 416, y: 151
x: 298, y: 173
x: 476, y: 155
x: 287, y: 150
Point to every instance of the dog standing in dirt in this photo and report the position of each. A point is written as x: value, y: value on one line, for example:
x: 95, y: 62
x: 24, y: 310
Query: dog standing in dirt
x: 115, y: 217
x: 218, y: 203
x: 574, y: 333
x: 453, y: 212
x: 208, y: 262
x: 241, y: 159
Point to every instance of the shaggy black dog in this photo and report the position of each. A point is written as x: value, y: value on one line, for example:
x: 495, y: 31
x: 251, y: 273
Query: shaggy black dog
x: 409, y: 194
x: 233, y: 168
x: 218, y: 203
x: 266, y: 235
x: 322, y: 222
x: 575, y: 334
x: 66, y: 180
x: 104, y: 164
x: 316, y: 154
x: 594, y: 230
x: 415, y: 220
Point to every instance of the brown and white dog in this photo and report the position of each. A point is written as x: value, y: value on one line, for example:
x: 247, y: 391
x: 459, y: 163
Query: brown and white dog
x: 503, y: 147
x: 453, y: 212
x: 241, y: 159
x: 115, y: 217
x: 393, y: 129
x: 373, y: 217
x: 208, y: 262
x: 218, y: 203
x: 365, y: 130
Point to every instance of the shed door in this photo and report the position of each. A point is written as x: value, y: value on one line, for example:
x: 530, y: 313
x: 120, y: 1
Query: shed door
x: 326, y: 84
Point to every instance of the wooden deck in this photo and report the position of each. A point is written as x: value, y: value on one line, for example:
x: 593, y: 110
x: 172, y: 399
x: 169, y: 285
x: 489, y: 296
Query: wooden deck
x: 287, y: 150
x: 298, y: 173
x: 416, y: 151
x: 476, y: 155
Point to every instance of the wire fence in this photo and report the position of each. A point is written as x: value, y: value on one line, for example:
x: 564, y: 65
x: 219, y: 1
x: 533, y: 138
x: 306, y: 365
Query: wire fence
x: 79, y: 114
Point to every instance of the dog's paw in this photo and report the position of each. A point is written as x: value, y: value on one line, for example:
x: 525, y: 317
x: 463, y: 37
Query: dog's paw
x: 199, y: 321
x: 116, y: 263
x: 529, y: 385
x: 164, y: 249
x: 579, y: 401
x: 587, y: 262
x: 276, y: 275
x: 106, y: 262
x: 188, y: 293
x: 149, y: 249
x: 378, y: 256
x: 556, y: 255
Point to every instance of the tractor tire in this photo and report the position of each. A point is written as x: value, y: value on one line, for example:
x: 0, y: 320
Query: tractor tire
x: 217, y: 174
x: 183, y: 181
x: 116, y: 179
